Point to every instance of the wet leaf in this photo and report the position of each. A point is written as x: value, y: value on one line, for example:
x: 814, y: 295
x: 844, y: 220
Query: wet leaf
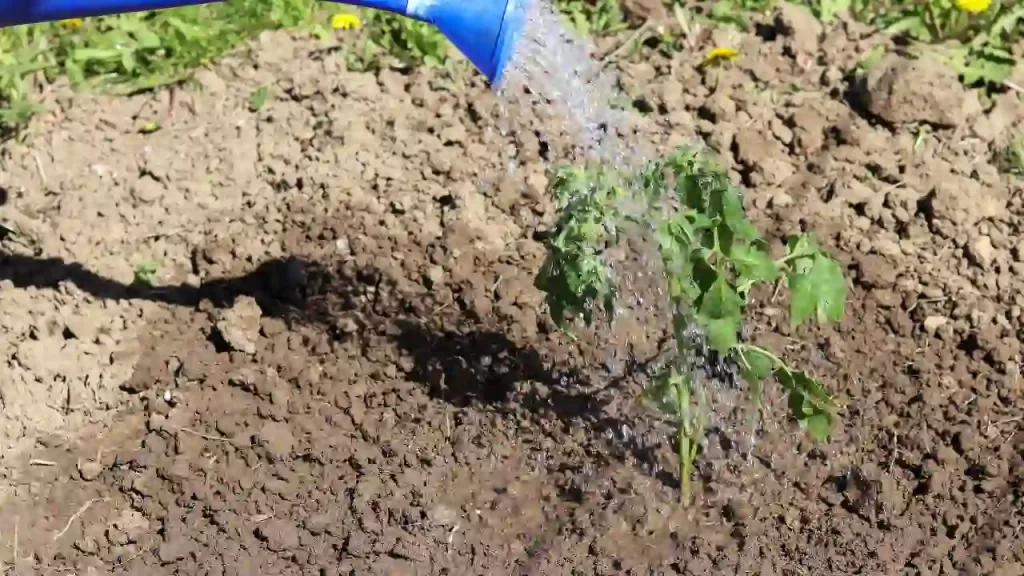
x: 809, y: 403
x: 820, y: 292
x: 753, y: 265
x: 735, y: 217
x: 668, y: 393
x: 721, y: 313
x: 757, y: 365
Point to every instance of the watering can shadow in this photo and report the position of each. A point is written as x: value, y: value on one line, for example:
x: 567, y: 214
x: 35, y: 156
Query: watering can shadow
x: 482, y: 30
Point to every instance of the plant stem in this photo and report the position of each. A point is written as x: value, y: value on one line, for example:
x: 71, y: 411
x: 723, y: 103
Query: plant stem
x: 685, y: 465
x: 775, y: 359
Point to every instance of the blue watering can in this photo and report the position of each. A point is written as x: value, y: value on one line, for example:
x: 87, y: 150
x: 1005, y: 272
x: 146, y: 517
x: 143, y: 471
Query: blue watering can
x: 483, y: 30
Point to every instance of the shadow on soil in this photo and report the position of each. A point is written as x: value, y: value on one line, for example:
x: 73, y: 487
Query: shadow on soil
x: 275, y: 284
x: 469, y: 366
x: 486, y: 368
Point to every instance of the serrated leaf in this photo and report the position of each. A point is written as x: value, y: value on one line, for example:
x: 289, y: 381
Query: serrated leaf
x: 812, y: 395
x: 820, y: 292
x: 753, y: 264
x: 988, y: 69
x: 720, y: 312
x: 801, y: 246
x: 911, y: 24
x: 722, y: 333
x: 809, y: 403
x: 735, y: 217
x: 704, y: 276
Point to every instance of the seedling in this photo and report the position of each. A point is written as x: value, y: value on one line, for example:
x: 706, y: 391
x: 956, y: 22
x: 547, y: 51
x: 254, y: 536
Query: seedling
x: 145, y: 274
x: 713, y: 257
x: 258, y: 98
x: 1013, y: 156
x: 149, y: 127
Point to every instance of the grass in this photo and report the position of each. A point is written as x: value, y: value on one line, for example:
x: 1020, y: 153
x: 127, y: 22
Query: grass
x: 133, y: 52
x: 974, y: 36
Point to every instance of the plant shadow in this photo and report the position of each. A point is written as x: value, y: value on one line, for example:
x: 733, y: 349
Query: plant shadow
x: 485, y: 367
x: 469, y: 365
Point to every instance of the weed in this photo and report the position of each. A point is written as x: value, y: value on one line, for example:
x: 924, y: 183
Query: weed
x: 258, y: 98
x: 145, y: 274
x: 150, y: 127
x: 1013, y: 156
x: 137, y: 51
x: 594, y: 17
x: 973, y: 36
x: 409, y: 41
x: 981, y: 31
x: 733, y: 11
x: 713, y: 257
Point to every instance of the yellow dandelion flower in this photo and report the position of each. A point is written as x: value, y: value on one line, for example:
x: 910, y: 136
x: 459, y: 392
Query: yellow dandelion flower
x: 973, y: 6
x: 72, y: 23
x: 345, y: 22
x: 719, y: 54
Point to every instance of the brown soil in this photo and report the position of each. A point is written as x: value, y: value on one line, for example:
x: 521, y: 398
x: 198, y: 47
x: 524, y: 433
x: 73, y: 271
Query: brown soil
x: 343, y: 366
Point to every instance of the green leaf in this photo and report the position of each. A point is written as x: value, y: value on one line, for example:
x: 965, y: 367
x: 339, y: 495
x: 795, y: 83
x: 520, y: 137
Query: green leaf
x: 721, y: 312
x: 756, y: 364
x: 829, y: 9
x: 819, y: 426
x: 809, y: 403
x: 698, y: 221
x: 912, y: 25
x: 722, y: 333
x: 735, y: 217
x: 820, y: 292
x: 802, y: 246
x: 258, y: 98
x: 668, y: 392
x: 753, y: 265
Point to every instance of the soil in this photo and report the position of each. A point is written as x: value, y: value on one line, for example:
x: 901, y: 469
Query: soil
x: 341, y: 365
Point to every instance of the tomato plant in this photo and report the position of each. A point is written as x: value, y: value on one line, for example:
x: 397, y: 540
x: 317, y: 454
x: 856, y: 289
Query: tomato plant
x: 713, y: 256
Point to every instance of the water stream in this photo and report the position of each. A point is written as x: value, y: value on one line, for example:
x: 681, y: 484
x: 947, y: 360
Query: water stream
x: 553, y: 75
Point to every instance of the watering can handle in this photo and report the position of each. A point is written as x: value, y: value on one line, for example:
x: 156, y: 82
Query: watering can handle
x: 483, y: 30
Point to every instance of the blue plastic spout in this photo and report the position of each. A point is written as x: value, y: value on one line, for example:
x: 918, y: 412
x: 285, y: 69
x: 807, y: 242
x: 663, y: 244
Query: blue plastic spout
x: 483, y: 30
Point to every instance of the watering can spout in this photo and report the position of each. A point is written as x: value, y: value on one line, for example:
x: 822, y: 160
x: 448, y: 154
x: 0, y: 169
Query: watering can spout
x: 483, y: 30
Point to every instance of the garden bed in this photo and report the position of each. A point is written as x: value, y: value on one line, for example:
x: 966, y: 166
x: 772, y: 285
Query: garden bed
x: 303, y: 338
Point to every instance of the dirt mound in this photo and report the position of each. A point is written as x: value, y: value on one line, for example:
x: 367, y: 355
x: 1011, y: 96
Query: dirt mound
x: 343, y: 367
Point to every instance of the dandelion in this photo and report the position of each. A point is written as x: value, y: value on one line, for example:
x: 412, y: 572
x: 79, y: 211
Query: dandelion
x: 973, y: 6
x: 71, y: 23
x: 720, y: 54
x: 345, y: 22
